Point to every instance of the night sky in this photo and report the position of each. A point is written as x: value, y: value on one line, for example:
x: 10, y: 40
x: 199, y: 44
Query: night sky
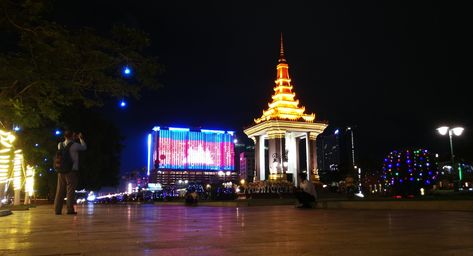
x: 394, y: 70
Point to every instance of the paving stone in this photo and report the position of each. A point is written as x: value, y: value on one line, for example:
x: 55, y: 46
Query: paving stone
x: 258, y: 230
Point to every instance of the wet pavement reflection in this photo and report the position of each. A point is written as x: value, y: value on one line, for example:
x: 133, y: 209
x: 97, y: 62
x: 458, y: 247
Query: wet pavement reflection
x: 267, y: 230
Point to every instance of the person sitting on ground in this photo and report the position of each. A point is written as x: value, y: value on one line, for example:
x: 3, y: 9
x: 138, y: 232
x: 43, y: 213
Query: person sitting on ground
x: 306, y: 193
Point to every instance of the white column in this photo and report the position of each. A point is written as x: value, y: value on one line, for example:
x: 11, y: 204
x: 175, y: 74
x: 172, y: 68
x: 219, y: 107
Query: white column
x: 262, y: 164
x: 308, y: 151
x: 291, y: 148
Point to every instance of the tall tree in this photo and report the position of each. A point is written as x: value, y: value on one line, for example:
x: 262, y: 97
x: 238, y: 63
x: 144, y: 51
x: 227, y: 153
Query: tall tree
x: 48, y: 71
x: 46, y: 67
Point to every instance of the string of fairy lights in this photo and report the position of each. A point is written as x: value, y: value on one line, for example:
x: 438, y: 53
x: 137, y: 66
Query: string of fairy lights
x: 14, y: 170
x: 409, y: 171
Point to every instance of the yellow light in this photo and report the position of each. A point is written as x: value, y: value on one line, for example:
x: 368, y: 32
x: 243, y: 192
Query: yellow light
x: 29, y: 184
x: 17, y: 169
x: 284, y: 105
x: 6, y: 140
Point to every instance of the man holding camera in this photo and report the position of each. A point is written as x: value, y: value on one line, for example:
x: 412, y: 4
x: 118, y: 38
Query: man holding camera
x: 67, y: 180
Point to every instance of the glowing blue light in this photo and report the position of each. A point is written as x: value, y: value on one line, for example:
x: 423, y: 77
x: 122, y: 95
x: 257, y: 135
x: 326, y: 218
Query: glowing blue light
x: 57, y: 132
x: 149, y: 152
x: 16, y: 128
x: 156, y: 128
x: 122, y: 103
x: 212, y: 131
x: 126, y: 71
x: 231, y: 132
x: 91, y: 197
x: 336, y: 132
x: 179, y: 129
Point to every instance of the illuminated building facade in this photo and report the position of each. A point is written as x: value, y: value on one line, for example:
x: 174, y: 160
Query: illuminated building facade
x: 284, y: 125
x: 182, y: 154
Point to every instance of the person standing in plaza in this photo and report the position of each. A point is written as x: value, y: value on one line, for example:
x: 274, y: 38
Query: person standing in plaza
x: 306, y: 193
x: 67, y: 177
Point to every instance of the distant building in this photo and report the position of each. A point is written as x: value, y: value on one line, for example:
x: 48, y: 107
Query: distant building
x: 247, y: 165
x: 186, y: 155
x: 336, y: 155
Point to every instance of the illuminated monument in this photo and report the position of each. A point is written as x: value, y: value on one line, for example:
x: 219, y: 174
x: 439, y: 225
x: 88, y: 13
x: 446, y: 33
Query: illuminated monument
x: 284, y: 125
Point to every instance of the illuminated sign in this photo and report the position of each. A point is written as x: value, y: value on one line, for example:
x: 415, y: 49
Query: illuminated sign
x: 182, y: 149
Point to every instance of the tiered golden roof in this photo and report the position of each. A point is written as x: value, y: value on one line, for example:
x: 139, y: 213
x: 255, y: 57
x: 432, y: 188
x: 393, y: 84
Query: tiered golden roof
x: 284, y: 105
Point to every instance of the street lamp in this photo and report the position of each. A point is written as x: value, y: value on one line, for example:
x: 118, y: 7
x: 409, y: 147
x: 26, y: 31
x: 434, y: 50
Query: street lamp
x: 457, y: 131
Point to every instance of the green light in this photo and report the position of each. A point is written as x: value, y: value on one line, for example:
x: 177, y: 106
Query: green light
x: 460, y: 175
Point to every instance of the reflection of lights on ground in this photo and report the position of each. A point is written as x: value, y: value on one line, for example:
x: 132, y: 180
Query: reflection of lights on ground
x: 359, y: 194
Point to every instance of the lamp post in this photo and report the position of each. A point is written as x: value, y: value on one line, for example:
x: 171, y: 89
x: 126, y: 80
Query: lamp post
x: 457, y: 131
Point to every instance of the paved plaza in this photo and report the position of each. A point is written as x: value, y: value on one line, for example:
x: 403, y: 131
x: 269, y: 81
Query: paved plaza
x: 260, y: 230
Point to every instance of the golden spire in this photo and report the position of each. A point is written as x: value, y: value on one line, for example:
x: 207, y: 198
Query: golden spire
x: 281, y: 52
x: 284, y: 104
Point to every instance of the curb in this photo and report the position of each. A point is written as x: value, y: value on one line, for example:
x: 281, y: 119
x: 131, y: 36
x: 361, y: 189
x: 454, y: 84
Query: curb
x: 4, y: 213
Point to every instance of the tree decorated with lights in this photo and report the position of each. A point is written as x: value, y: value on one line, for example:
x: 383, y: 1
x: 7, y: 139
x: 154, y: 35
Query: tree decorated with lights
x: 410, y: 171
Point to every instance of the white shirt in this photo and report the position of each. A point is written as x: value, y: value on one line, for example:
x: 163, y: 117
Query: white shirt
x: 309, y: 188
x: 74, y: 151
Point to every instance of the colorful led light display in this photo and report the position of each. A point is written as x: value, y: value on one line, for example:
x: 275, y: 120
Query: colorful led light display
x: 406, y: 172
x: 182, y: 149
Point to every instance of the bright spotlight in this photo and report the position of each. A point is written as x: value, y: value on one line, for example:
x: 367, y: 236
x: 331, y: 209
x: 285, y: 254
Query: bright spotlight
x: 458, y: 131
x: 443, y: 130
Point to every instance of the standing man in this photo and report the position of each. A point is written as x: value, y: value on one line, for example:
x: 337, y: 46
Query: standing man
x: 67, y: 179
x: 306, y: 194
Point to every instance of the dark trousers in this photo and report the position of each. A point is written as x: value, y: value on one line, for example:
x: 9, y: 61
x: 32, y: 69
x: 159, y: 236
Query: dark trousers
x: 66, y: 186
x: 304, y: 198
